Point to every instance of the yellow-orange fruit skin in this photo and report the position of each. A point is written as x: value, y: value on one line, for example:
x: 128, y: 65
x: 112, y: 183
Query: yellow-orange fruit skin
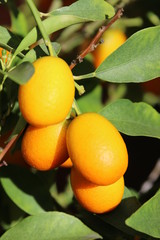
x: 95, y: 198
x: 97, y: 149
x: 44, y: 148
x: 67, y: 164
x: 47, y: 97
x: 113, y: 38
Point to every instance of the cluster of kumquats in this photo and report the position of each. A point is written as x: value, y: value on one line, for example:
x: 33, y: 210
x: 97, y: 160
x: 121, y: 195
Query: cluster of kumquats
x: 89, y: 142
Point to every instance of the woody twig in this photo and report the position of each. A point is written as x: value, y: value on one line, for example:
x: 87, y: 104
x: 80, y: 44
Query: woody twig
x: 96, y: 40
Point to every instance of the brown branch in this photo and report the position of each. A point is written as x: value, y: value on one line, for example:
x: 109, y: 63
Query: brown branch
x: 7, y: 148
x: 96, y: 40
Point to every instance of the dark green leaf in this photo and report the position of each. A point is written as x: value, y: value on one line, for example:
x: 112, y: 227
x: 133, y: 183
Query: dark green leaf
x: 117, y: 217
x: 22, y: 73
x: 147, y: 218
x: 26, y: 190
x: 50, y: 226
x: 8, y: 38
x: 107, y: 231
x: 137, y: 60
x: 55, y: 23
x: 19, y: 126
x: 39, y: 51
x: 86, y: 9
x: 135, y: 119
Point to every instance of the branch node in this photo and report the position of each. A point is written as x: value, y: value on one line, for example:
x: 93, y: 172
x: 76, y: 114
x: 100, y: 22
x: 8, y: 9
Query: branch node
x: 96, y: 40
x: 101, y: 29
x: 80, y: 59
x: 3, y: 163
x: 101, y: 41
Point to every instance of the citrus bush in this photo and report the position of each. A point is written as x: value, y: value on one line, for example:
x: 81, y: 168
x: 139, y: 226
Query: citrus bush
x: 64, y: 153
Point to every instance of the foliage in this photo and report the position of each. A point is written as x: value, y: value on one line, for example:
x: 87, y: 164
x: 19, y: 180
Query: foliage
x: 40, y: 205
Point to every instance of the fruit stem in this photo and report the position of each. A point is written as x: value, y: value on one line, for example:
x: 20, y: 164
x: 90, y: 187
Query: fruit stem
x: 76, y: 107
x: 80, y: 88
x: 41, y: 28
x: 88, y: 75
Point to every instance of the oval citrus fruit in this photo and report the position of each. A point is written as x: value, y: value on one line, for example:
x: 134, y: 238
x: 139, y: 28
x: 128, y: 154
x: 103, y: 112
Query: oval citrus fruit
x: 67, y: 164
x: 96, y: 198
x: 47, y: 97
x: 45, y: 148
x: 113, y: 38
x: 97, y: 149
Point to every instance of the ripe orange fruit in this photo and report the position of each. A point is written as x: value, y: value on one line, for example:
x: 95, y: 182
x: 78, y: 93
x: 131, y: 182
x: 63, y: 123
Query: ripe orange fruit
x: 45, y: 148
x: 67, y: 164
x: 113, y: 38
x: 47, y: 97
x: 97, y: 149
x: 96, y: 198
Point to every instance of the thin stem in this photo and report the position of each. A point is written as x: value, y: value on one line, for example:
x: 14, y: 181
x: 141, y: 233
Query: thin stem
x: 9, y: 145
x: 3, y: 81
x: 80, y: 88
x: 76, y: 107
x: 41, y: 27
x: 95, y: 41
x: 88, y: 75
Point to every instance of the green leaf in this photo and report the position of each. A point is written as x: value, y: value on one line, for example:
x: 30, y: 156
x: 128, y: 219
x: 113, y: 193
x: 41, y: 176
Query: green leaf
x: 134, y: 119
x: 19, y: 21
x: 91, y: 102
x: 55, y: 23
x: 94, y: 10
x: 39, y: 51
x: 50, y: 226
x: 117, y: 217
x: 26, y: 190
x: 147, y: 218
x: 137, y: 60
x: 22, y: 73
x: 21, y: 124
x: 8, y: 38
x: 107, y: 231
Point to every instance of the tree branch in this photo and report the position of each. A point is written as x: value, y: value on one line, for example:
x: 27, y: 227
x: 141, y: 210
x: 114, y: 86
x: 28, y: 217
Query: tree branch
x: 7, y: 148
x: 96, y: 40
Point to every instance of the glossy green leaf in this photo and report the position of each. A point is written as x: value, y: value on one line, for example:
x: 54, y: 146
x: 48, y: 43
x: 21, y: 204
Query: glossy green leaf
x: 22, y: 73
x: 147, y: 218
x: 8, y: 38
x: 50, y: 226
x: 117, y: 217
x: 40, y: 51
x: 26, y: 190
x: 137, y: 60
x: 94, y: 10
x: 135, y: 119
x: 57, y: 22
